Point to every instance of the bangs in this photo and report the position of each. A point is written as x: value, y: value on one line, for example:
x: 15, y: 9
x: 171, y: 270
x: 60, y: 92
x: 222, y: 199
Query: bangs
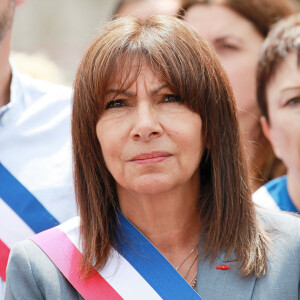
x: 174, y: 59
x: 123, y: 70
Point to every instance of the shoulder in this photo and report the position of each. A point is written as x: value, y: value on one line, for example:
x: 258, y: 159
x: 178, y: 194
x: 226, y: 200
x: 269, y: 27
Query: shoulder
x: 32, y: 89
x: 41, y: 104
x: 283, y: 255
x: 26, y: 255
x: 281, y: 223
x: 32, y: 275
x: 278, y: 219
x: 283, y: 232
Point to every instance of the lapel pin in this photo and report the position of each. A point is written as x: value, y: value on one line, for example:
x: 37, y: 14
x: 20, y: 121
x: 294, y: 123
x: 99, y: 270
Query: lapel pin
x: 224, y: 267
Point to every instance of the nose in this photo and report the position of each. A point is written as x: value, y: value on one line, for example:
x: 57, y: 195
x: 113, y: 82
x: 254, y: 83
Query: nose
x: 146, y: 125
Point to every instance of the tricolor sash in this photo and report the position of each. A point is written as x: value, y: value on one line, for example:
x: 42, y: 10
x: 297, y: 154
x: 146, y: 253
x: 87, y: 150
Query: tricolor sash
x: 135, y: 268
x: 22, y: 215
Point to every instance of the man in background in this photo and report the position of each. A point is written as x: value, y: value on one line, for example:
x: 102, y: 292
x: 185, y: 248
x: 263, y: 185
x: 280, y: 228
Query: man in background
x: 36, y: 190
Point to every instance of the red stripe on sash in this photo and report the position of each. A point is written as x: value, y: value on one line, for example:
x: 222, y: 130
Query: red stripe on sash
x: 67, y: 259
x: 4, y: 253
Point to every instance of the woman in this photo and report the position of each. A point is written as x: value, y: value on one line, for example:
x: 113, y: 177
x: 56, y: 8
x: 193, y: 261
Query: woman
x: 161, y: 183
x: 236, y: 30
x: 278, y: 94
x: 145, y: 8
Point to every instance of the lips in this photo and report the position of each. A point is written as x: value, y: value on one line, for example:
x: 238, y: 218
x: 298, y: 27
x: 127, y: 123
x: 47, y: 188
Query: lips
x: 153, y: 157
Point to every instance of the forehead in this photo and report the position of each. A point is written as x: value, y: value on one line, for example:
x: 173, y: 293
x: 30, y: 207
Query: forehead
x: 285, y: 77
x: 129, y: 74
x: 144, y: 9
x: 212, y: 21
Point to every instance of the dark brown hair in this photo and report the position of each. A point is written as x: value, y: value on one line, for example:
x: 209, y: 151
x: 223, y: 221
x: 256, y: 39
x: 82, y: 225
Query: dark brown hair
x: 261, y: 13
x: 190, y: 68
x: 282, y: 39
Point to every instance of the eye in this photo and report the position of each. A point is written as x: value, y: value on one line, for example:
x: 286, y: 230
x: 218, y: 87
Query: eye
x: 115, y: 104
x: 294, y: 101
x: 172, y: 99
x: 229, y: 46
x: 226, y: 48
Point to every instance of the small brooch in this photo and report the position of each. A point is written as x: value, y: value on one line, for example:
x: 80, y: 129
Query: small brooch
x: 224, y: 267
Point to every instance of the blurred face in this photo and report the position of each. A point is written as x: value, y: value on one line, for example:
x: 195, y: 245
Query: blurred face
x: 150, y: 140
x: 144, y: 9
x: 283, y: 97
x: 237, y: 43
x: 7, y: 8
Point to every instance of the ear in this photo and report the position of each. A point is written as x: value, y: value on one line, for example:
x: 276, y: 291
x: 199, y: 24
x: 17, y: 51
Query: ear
x: 265, y: 127
x: 267, y: 130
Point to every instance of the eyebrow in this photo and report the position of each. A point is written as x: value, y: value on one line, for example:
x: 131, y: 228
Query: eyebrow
x: 120, y: 92
x: 226, y: 37
x: 289, y: 88
x: 131, y: 95
x: 158, y: 89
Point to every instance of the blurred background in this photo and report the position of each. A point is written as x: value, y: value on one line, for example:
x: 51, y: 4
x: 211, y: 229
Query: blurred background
x: 49, y: 37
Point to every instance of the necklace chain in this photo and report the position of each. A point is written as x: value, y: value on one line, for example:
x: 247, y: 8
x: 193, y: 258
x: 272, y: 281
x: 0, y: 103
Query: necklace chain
x: 179, y: 266
x: 189, y: 269
x: 193, y: 282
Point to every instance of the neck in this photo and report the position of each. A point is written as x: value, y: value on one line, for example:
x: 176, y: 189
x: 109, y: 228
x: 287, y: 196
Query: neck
x: 169, y: 220
x: 294, y: 188
x: 5, y: 70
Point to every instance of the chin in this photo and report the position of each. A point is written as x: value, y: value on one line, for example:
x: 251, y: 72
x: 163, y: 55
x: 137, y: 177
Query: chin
x: 155, y: 185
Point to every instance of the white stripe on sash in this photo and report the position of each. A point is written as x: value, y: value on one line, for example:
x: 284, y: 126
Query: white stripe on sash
x: 12, y: 228
x: 118, y: 272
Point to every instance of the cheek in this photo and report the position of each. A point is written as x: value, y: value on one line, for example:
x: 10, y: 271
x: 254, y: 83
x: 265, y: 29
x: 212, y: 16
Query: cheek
x: 112, y: 155
x: 284, y: 141
x: 191, y: 141
x: 109, y: 143
x: 241, y: 73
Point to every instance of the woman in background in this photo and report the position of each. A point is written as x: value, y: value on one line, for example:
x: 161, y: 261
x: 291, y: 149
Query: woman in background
x: 278, y: 94
x: 161, y: 183
x: 145, y: 8
x: 236, y: 30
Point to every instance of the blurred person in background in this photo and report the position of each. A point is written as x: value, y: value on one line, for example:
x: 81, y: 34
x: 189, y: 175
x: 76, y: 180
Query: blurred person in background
x: 236, y: 30
x: 38, y: 65
x: 36, y: 190
x: 146, y: 8
x: 278, y: 94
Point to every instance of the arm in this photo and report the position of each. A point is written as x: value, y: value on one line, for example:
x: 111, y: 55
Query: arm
x: 21, y: 283
x: 32, y: 275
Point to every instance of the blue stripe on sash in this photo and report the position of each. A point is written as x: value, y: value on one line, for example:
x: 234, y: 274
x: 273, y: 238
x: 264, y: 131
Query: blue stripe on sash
x: 152, y: 265
x: 25, y: 205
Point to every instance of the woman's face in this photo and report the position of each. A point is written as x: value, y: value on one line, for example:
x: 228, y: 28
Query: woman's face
x: 144, y: 9
x: 150, y: 140
x: 283, y: 99
x: 237, y: 44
